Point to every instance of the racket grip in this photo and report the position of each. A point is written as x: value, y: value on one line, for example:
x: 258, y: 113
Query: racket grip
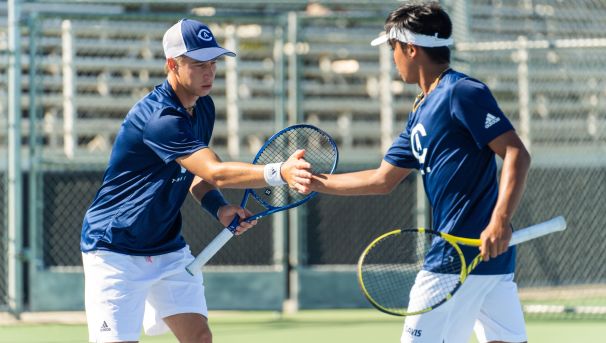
x: 538, y: 230
x: 209, y: 251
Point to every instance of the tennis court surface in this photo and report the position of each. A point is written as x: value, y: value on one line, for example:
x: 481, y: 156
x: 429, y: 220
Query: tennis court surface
x: 352, y: 326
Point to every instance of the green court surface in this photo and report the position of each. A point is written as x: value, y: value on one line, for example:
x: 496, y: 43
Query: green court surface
x: 352, y: 326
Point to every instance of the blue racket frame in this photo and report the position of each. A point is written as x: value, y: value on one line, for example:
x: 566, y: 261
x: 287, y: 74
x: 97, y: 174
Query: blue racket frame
x: 273, y: 209
x: 227, y: 233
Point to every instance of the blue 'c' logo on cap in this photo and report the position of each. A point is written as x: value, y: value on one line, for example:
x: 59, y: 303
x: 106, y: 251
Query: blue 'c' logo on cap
x: 205, y: 35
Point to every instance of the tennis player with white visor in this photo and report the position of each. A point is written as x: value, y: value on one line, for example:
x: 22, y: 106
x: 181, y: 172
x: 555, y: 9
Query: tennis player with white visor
x: 452, y: 135
x: 133, y: 252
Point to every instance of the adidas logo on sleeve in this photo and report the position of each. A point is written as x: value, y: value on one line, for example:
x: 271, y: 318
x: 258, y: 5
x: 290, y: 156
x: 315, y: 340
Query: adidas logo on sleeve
x: 491, y: 120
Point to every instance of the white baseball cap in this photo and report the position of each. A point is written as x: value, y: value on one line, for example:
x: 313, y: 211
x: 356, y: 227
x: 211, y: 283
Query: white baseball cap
x: 192, y: 39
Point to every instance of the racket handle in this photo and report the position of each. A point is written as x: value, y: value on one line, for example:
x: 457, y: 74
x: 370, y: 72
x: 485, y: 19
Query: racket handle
x: 209, y: 251
x: 538, y: 230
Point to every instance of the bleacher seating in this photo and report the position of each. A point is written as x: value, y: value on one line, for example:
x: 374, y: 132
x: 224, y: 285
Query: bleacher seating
x: 117, y: 61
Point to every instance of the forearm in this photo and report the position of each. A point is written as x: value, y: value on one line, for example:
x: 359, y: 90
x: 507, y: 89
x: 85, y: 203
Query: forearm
x: 206, y: 165
x: 512, y: 184
x: 374, y: 181
x: 199, y: 188
x: 235, y: 175
x: 207, y: 196
x: 356, y: 183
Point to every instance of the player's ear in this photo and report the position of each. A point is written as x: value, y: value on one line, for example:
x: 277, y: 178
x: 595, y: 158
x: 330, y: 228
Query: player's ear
x: 411, y: 49
x: 172, y: 65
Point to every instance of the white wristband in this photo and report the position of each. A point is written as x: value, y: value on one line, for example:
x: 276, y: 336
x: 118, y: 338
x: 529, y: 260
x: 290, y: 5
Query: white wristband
x: 271, y: 172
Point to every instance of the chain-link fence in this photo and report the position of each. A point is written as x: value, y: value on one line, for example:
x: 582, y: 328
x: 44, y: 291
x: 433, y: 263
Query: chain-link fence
x: 564, y: 273
x: 544, y: 63
x: 339, y: 228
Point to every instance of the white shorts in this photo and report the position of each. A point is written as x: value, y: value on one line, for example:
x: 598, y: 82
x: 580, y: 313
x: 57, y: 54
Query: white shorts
x: 488, y: 304
x: 125, y: 292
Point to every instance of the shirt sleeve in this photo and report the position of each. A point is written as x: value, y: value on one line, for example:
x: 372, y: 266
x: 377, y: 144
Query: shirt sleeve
x: 400, y: 153
x: 170, y: 135
x: 475, y: 108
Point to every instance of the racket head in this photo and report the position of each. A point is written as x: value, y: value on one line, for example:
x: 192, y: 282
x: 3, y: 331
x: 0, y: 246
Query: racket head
x: 394, y: 262
x: 320, y: 151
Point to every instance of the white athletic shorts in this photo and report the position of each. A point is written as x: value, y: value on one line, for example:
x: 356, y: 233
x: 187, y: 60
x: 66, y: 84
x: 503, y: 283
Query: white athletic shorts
x: 124, y: 293
x: 486, y: 304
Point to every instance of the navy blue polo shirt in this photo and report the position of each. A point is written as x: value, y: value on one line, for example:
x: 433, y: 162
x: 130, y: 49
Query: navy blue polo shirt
x: 137, y: 209
x: 446, y: 138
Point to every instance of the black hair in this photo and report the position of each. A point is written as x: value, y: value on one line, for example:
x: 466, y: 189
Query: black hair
x: 427, y: 18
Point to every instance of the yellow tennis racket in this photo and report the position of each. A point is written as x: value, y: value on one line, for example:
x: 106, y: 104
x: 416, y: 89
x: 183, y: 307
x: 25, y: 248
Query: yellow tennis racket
x: 389, y: 266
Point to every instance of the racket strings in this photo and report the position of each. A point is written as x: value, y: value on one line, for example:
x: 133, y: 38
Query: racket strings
x: 394, y: 277
x: 320, y: 152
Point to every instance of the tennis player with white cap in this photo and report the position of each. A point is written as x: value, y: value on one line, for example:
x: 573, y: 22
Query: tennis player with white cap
x: 453, y: 133
x: 133, y: 253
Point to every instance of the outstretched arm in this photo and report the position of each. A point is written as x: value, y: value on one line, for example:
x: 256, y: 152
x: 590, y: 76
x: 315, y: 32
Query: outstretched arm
x: 516, y: 162
x: 205, y: 164
x: 373, y: 181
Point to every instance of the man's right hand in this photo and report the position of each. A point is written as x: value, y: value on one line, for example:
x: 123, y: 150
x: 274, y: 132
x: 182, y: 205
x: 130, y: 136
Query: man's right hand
x: 296, y: 172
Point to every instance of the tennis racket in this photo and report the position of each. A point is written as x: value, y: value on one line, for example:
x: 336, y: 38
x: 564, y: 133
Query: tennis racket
x: 320, y: 151
x: 392, y: 263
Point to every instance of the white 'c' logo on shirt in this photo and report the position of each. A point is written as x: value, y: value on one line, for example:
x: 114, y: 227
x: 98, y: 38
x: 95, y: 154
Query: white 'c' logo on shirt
x: 415, y: 142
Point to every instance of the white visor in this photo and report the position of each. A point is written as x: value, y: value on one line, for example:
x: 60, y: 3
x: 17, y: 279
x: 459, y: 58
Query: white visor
x: 407, y: 36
